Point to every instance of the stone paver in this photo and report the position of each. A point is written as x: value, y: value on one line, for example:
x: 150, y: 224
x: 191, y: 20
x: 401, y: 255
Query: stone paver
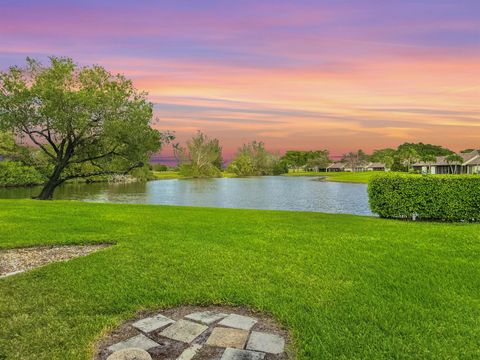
x: 184, y: 330
x: 238, y: 322
x: 139, y: 341
x: 269, y: 343
x: 236, y: 354
x: 130, y: 354
x: 189, y: 353
x: 152, y: 323
x: 206, y: 317
x: 228, y: 338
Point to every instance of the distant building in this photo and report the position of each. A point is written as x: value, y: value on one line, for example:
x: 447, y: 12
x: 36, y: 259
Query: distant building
x: 340, y: 166
x: 336, y: 167
x: 469, y: 165
x: 375, y: 166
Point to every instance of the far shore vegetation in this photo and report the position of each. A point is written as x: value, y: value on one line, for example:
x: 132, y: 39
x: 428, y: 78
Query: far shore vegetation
x: 66, y: 123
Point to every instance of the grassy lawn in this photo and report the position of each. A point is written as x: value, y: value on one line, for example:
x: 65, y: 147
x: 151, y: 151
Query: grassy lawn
x: 353, y: 177
x: 358, y: 177
x: 166, y: 175
x: 346, y: 286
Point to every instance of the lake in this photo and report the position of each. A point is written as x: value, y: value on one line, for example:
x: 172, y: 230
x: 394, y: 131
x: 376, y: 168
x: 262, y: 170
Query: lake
x: 268, y: 192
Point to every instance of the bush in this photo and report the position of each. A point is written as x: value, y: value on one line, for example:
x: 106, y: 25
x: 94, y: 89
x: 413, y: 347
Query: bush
x: 159, y: 167
x: 142, y: 173
x: 428, y: 197
x: 206, y: 171
x: 280, y: 167
x: 13, y: 173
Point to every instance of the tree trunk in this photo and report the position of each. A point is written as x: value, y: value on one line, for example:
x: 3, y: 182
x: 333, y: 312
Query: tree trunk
x: 51, y: 184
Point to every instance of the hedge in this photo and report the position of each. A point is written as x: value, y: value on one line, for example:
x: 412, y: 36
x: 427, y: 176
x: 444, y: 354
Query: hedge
x: 426, y: 197
x: 14, y: 173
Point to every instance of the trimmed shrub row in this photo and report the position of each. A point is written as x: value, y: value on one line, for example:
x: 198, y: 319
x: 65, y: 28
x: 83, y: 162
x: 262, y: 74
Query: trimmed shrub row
x: 14, y: 173
x: 427, y: 197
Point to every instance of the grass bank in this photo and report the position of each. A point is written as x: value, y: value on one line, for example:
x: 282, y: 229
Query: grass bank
x: 346, y: 286
x: 168, y: 175
x: 353, y: 177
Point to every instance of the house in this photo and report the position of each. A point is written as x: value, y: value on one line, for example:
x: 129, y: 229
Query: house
x: 375, y: 166
x: 469, y: 165
x: 339, y: 166
x: 336, y: 167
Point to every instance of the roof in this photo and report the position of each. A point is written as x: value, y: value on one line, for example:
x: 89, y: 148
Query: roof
x: 337, y: 165
x: 472, y: 158
x: 376, y: 165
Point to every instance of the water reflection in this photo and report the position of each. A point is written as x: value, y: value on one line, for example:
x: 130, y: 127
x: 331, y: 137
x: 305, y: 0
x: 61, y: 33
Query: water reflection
x: 276, y: 192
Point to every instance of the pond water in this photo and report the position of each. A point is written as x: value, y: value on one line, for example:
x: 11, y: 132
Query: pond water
x: 268, y: 192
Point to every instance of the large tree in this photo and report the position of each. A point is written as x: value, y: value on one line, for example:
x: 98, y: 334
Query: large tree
x: 253, y: 159
x: 318, y: 160
x: 202, y: 157
x: 408, y: 156
x: 355, y: 160
x: 424, y: 149
x: 385, y: 156
x: 85, y: 120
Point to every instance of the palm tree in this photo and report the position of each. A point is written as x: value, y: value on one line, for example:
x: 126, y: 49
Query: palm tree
x: 453, y: 159
x: 428, y: 159
x: 408, y: 156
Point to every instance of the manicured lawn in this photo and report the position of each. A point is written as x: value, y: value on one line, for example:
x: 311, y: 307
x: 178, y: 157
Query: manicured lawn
x: 347, y: 287
x: 356, y: 177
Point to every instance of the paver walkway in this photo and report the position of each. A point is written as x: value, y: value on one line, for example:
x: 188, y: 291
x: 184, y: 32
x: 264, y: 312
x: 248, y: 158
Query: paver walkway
x: 200, y: 335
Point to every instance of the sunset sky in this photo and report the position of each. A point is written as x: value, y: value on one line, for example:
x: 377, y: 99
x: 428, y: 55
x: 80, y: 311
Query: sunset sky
x: 337, y: 74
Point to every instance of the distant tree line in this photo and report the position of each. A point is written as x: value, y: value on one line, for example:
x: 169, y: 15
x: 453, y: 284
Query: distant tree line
x: 83, y: 122
x: 202, y: 157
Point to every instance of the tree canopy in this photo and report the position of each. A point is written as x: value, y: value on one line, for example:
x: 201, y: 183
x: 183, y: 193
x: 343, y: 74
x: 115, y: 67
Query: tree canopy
x: 253, y: 159
x: 85, y: 120
x: 202, y: 157
x: 425, y: 149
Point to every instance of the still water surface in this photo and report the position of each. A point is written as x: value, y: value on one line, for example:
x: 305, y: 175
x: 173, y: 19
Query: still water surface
x: 269, y: 192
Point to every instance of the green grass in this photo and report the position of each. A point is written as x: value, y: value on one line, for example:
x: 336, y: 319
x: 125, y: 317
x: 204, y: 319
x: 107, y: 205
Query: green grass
x: 353, y: 177
x: 167, y: 175
x: 347, y: 287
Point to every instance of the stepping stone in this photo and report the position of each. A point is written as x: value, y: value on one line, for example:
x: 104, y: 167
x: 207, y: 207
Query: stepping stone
x: 269, y: 343
x: 238, y: 322
x: 183, y: 330
x: 139, y: 341
x: 152, y: 323
x: 206, y: 317
x: 189, y: 353
x: 228, y: 338
x: 130, y: 354
x: 236, y: 354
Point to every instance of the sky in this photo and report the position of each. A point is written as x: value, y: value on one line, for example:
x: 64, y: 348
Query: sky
x: 303, y: 74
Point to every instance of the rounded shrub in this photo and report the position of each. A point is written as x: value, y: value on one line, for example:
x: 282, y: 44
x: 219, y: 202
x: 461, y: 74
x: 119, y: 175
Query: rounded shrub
x: 427, y: 197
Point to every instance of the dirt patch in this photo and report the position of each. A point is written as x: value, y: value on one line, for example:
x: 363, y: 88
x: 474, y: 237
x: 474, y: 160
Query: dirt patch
x: 14, y: 261
x: 171, y: 349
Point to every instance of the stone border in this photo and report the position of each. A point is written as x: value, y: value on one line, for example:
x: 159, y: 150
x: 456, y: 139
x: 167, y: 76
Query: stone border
x: 207, y: 337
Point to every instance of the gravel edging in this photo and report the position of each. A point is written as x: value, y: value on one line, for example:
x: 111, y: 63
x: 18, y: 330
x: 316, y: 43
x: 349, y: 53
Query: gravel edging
x: 15, y: 261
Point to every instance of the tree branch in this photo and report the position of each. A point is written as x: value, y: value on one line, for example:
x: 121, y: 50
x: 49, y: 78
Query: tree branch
x: 102, y: 172
x: 113, y: 152
x: 39, y: 144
